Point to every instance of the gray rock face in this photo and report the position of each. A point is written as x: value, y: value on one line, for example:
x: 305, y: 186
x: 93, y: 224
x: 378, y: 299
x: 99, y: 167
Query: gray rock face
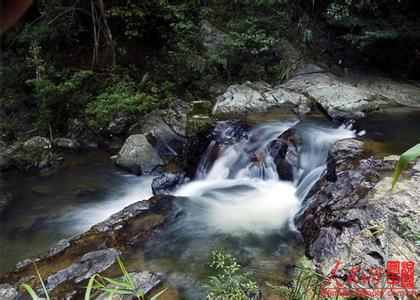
x: 176, y: 116
x: 89, y: 264
x: 119, y: 126
x: 284, y: 150
x: 138, y: 156
x: 338, y: 98
x: 352, y: 96
x: 36, y: 143
x: 212, y: 38
x: 66, y: 144
x: 160, y: 135
x: 8, y: 292
x: 255, y: 97
x: 343, y: 98
x: 145, y: 281
x: 354, y: 217
x: 165, y: 183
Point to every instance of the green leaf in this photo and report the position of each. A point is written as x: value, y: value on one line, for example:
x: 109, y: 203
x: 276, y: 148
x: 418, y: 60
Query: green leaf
x: 117, y: 291
x: 90, y: 286
x: 118, y: 283
x: 31, y: 292
x: 126, y: 275
x: 42, y: 282
x: 155, y: 297
x: 404, y: 160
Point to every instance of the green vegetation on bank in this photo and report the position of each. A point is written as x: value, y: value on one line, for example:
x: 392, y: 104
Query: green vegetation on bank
x: 95, y: 60
x: 98, y: 284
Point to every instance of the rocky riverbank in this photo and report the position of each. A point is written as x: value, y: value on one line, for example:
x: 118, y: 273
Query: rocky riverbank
x: 350, y: 215
x: 355, y: 218
x: 67, y: 266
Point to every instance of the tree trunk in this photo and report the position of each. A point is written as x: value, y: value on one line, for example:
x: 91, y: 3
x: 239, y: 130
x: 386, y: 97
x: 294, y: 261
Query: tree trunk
x: 108, y: 34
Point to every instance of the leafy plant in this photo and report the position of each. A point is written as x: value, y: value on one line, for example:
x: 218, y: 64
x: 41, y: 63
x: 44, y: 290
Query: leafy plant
x: 412, y: 231
x: 58, y: 95
x: 404, y: 160
x: 30, y: 290
x: 125, y: 286
x: 229, y: 282
x: 98, y: 283
x: 128, y: 97
x: 306, y: 283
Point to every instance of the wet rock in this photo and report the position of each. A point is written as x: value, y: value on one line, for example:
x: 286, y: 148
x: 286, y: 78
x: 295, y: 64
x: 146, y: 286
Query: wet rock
x: 68, y: 264
x: 66, y: 144
x: 284, y: 150
x: 354, y: 217
x: 28, y: 156
x: 258, y: 157
x: 199, y: 127
x: 145, y: 281
x: 138, y: 156
x: 8, y: 292
x: 59, y: 247
x: 89, y: 264
x: 255, y: 97
x: 166, y: 183
x: 36, y: 143
x: 175, y: 115
x: 5, y: 199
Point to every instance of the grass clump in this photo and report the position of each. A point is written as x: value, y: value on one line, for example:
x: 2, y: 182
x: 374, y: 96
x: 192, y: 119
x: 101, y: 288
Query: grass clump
x: 230, y: 282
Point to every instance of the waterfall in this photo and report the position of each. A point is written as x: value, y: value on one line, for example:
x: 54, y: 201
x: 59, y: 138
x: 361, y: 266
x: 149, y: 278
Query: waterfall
x: 238, y: 189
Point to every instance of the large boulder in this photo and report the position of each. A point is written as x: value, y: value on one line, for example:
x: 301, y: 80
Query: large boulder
x: 138, y: 156
x: 160, y: 135
x: 353, y: 217
x: 32, y: 155
x: 339, y: 99
x: 255, y: 97
x: 352, y: 96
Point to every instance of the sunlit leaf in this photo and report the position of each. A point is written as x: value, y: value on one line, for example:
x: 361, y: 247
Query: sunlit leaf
x: 31, y: 292
x: 404, y: 160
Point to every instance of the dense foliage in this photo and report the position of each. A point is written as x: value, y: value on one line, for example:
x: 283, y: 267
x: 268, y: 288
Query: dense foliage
x: 86, y: 59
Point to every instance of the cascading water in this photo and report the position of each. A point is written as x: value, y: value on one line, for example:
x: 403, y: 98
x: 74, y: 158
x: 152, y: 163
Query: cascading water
x: 238, y: 203
x: 241, y: 191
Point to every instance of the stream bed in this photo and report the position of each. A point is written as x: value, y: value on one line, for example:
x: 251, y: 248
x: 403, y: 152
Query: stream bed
x: 233, y: 205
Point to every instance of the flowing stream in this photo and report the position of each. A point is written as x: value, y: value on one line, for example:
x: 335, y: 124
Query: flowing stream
x: 237, y: 202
